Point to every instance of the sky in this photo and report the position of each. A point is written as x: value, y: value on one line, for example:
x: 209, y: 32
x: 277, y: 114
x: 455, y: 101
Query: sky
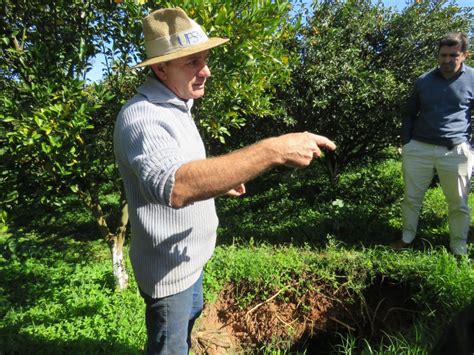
x: 95, y: 73
x: 400, y: 4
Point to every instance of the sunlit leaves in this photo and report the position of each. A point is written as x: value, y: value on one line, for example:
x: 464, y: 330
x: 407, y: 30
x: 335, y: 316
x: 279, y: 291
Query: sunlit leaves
x: 358, y: 62
x: 245, y: 70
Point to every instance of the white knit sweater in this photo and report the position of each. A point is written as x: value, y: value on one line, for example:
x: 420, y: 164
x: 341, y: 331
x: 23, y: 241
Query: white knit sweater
x: 154, y: 135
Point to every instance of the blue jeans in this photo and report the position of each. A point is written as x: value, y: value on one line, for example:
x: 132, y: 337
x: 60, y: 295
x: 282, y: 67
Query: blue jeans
x: 170, y: 320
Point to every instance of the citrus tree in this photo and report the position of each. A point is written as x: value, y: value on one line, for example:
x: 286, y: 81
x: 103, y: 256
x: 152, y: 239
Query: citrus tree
x: 52, y: 137
x: 358, y: 62
x: 55, y: 127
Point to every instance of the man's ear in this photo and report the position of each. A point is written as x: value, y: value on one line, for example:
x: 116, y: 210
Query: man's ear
x: 159, y: 71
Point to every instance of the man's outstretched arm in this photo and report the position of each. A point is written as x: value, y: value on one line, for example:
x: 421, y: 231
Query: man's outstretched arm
x: 203, y: 179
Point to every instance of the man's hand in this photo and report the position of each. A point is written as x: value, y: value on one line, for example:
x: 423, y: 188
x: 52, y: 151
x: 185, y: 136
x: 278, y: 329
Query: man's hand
x: 298, y: 149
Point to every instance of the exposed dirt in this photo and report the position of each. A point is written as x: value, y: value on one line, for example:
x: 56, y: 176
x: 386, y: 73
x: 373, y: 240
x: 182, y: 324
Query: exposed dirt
x: 308, y: 321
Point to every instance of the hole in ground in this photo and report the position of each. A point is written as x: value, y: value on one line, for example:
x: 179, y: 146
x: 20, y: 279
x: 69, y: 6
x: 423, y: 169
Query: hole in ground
x: 386, y: 307
x: 312, y: 321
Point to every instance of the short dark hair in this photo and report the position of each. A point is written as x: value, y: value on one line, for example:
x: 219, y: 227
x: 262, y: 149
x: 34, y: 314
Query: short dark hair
x: 454, y: 39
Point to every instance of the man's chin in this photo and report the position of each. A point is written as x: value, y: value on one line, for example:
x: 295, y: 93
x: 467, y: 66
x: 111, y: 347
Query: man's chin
x: 198, y: 93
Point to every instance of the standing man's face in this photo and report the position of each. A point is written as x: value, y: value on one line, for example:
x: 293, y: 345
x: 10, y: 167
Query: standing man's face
x: 185, y: 76
x: 450, y: 59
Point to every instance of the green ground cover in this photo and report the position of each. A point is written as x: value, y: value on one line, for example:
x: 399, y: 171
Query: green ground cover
x: 293, y: 234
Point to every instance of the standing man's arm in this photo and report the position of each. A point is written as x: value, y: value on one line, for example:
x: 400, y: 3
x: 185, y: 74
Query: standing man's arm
x: 409, y: 116
x: 203, y: 179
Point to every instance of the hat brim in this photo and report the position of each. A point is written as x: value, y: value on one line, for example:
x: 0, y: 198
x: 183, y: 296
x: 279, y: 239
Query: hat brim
x: 210, y: 43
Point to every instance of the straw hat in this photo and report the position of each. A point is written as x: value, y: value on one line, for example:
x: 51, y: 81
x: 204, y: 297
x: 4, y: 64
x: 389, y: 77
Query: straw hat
x: 170, y: 34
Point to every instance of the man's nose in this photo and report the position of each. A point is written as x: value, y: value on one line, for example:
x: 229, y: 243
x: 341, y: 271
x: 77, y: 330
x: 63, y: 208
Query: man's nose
x: 447, y: 59
x: 205, y: 72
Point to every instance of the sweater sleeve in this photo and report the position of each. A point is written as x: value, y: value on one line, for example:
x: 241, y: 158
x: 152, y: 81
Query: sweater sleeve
x: 150, y: 148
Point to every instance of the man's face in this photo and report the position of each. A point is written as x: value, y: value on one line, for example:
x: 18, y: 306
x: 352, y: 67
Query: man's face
x: 185, y: 76
x: 450, y: 59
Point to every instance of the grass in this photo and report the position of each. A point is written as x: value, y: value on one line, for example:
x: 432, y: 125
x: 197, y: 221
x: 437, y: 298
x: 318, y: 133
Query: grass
x: 434, y: 280
x: 63, y: 301
x: 293, y: 232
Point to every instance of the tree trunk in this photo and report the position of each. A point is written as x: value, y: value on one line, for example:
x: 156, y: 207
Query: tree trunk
x: 115, y: 240
x: 118, y: 262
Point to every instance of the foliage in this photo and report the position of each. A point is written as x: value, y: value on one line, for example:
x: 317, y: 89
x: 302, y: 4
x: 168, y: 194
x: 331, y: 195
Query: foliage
x: 55, y: 134
x: 34, y: 45
x: 443, y: 283
x: 358, y: 61
x: 363, y: 209
x: 53, y: 148
x: 286, y: 203
x: 245, y: 70
x: 57, y: 291
x: 45, y: 141
x: 51, y: 124
x: 56, y: 129
x: 57, y: 297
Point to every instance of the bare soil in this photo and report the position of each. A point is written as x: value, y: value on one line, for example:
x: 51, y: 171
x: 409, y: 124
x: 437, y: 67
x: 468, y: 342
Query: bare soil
x: 307, y: 321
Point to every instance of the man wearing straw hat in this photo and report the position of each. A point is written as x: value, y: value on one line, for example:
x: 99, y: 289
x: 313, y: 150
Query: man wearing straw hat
x: 170, y: 184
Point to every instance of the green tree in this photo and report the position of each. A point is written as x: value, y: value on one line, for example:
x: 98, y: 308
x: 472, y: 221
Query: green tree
x: 358, y: 62
x: 55, y: 128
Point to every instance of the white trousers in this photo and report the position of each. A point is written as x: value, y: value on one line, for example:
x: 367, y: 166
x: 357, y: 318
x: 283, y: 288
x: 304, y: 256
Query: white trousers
x: 454, y: 168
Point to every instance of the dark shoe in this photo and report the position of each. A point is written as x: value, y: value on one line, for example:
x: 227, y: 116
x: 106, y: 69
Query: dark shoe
x: 399, y: 245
